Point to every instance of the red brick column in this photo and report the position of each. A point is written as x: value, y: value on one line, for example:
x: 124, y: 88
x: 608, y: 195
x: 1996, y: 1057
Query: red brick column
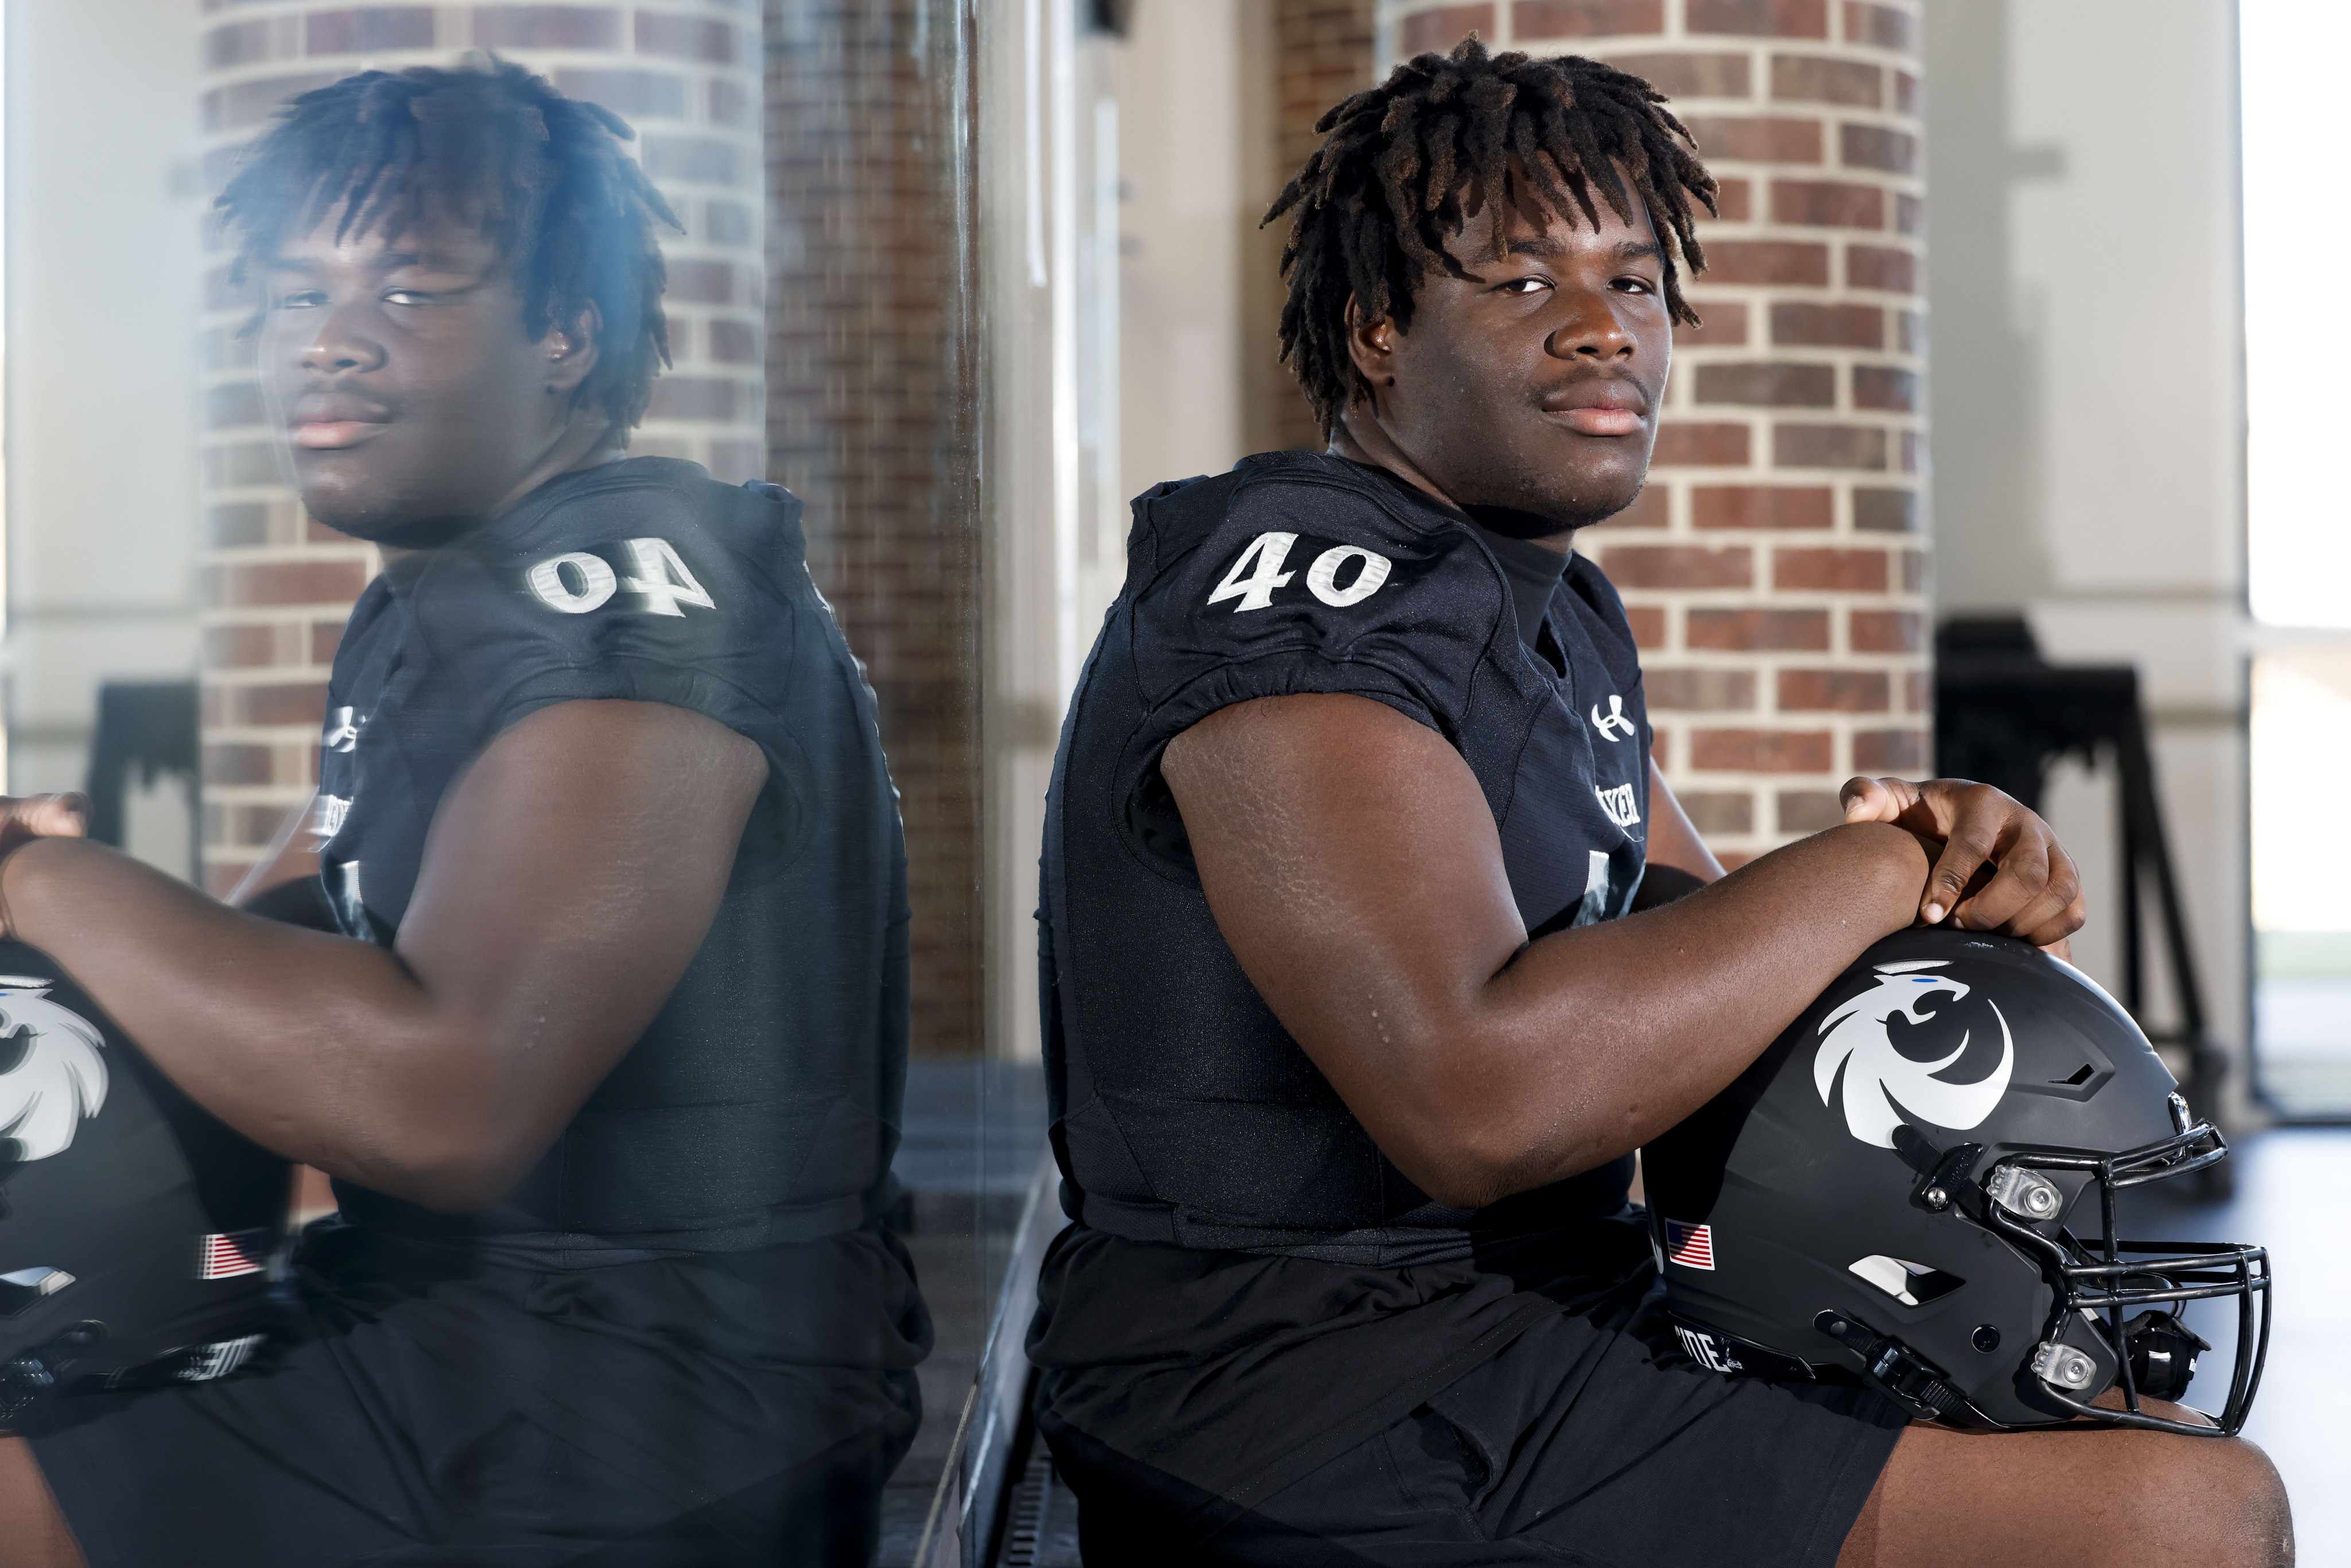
x: 276, y: 585
x: 1775, y: 569
x: 1322, y: 53
x: 873, y: 418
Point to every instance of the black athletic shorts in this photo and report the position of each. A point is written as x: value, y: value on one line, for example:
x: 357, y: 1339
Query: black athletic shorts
x: 1592, y: 1439
x: 431, y: 1408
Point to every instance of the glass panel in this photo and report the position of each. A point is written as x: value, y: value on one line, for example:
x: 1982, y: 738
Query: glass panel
x: 875, y: 364
x: 746, y: 1302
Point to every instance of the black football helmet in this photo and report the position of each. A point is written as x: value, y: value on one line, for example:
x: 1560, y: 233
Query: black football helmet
x: 1915, y: 1186
x: 136, y: 1230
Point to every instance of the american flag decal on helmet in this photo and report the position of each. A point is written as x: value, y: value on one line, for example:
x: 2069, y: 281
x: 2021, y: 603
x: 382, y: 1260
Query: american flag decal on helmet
x: 1691, y: 1246
x: 238, y: 1252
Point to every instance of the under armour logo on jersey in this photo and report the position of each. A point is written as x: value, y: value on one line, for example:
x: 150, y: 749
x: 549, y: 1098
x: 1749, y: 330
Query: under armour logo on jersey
x: 1257, y: 572
x: 1618, y: 804
x: 51, y: 1073
x: 342, y: 731
x: 578, y: 582
x: 1614, y: 720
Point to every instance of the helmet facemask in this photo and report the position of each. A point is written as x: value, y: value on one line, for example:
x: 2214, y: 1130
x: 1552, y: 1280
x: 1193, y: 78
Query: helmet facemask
x: 2092, y: 1346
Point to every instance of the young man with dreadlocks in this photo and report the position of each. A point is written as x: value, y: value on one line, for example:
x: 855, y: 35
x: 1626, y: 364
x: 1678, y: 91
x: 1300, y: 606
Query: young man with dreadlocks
x: 1350, y: 1037
x: 604, y: 1040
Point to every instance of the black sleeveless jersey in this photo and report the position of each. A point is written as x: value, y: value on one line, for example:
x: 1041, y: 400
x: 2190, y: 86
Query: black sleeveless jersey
x: 762, y: 1105
x: 1183, y: 1111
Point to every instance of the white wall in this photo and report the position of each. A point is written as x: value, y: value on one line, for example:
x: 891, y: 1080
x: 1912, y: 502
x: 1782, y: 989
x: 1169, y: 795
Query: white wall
x: 1184, y: 225
x: 2087, y: 396
x: 1114, y: 262
x: 100, y: 435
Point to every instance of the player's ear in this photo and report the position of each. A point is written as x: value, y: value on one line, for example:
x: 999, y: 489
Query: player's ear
x: 1370, y: 344
x: 570, y: 349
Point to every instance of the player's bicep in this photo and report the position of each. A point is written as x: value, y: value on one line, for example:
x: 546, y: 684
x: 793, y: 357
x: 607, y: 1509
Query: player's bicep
x: 568, y: 878
x: 1353, y: 865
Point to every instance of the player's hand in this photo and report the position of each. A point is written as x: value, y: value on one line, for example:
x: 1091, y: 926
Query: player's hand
x: 1997, y: 865
x: 28, y: 817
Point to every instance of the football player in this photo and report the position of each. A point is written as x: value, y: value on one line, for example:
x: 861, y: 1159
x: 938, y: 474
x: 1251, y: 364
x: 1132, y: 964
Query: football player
x: 1374, y: 946
x: 605, y: 1043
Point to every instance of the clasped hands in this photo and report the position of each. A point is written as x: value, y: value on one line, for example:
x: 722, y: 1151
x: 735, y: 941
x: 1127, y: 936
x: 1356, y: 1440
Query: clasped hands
x: 1996, y: 865
x: 26, y: 818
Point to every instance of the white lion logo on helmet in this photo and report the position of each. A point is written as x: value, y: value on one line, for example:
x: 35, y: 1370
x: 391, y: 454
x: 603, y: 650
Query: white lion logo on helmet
x: 1884, y: 1088
x: 52, y: 1073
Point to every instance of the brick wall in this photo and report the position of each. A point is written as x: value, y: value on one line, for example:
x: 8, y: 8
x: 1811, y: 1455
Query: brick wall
x: 1775, y: 569
x: 1322, y: 53
x: 276, y: 585
x: 871, y: 419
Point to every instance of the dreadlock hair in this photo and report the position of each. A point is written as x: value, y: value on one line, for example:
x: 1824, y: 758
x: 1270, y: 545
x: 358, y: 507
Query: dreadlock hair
x: 1405, y: 166
x: 543, y: 176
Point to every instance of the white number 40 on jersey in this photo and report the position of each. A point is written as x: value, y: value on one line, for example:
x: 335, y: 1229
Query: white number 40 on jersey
x: 1259, y: 573
x: 577, y: 582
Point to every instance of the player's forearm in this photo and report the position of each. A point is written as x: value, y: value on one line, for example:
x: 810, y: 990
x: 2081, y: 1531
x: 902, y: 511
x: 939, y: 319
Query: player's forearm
x: 1590, y: 1043
x: 323, y: 1049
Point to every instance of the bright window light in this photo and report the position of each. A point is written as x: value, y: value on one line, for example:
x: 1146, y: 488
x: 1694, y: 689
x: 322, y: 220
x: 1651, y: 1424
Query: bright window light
x: 2296, y: 336
x: 2298, y: 545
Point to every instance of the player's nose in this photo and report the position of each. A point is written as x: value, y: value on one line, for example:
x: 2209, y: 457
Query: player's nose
x: 342, y: 346
x: 1593, y: 331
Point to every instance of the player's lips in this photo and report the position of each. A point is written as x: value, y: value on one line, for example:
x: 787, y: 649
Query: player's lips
x: 1599, y: 408
x: 1602, y: 421
x: 326, y: 423
x: 322, y: 434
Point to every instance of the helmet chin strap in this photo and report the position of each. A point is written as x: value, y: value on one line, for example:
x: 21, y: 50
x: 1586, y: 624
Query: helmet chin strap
x: 1893, y: 1368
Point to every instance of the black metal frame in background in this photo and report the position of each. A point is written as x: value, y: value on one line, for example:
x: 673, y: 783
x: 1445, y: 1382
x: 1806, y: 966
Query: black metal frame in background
x: 2003, y: 716
x: 149, y: 728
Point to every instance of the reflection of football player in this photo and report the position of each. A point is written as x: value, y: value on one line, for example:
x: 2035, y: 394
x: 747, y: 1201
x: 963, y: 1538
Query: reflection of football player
x: 1364, y: 981
x: 604, y: 1045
